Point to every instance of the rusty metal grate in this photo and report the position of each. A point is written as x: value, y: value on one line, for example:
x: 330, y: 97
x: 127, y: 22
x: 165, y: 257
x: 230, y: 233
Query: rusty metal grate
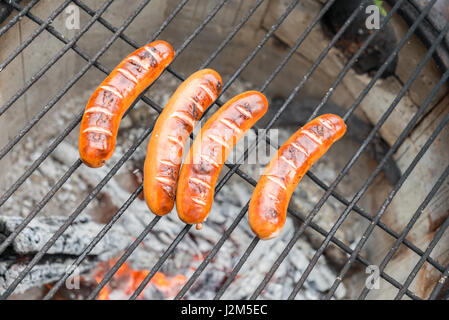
x: 307, y: 221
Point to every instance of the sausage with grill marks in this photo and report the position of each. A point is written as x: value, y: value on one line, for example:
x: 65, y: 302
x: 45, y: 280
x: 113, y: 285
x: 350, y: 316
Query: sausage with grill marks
x: 203, y: 163
x: 114, y: 96
x: 269, y: 202
x: 172, y: 129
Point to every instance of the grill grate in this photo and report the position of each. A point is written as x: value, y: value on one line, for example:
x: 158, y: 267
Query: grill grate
x: 307, y: 221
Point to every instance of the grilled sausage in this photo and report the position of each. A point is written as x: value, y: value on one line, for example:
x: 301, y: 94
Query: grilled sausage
x: 114, y: 96
x: 268, y: 206
x: 172, y: 129
x: 199, y: 173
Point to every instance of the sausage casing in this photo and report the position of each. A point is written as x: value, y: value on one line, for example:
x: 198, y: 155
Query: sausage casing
x: 203, y: 163
x: 170, y: 133
x: 269, y: 201
x: 114, y: 96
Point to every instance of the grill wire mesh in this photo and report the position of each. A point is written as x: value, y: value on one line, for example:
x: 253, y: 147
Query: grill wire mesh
x: 307, y: 221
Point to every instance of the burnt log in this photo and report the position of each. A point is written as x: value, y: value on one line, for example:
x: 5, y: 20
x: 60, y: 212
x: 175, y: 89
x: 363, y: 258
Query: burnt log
x: 60, y: 256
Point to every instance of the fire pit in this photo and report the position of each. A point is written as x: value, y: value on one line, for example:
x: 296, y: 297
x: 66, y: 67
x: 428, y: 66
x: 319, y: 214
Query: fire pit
x: 369, y: 220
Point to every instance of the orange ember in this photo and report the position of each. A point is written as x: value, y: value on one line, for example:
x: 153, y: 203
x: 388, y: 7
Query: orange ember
x: 126, y: 280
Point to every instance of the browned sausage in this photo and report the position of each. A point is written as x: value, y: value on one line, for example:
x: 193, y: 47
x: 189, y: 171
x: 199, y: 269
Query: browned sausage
x: 206, y: 157
x: 172, y: 129
x: 268, y: 206
x: 114, y: 96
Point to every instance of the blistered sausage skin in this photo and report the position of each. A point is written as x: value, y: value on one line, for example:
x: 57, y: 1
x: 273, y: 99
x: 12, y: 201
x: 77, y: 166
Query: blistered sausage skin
x: 114, y: 96
x: 203, y: 163
x: 171, y: 131
x: 269, y: 201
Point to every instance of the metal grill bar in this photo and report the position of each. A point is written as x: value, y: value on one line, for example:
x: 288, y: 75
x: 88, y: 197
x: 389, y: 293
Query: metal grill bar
x: 390, y: 197
x: 75, y: 213
x: 35, y: 33
x: 200, y: 28
x: 310, y: 174
x: 7, y: 242
x: 421, y: 261
x: 393, y: 149
x: 232, y: 34
x: 132, y: 43
x: 107, y: 277
x: 28, y: 127
x: 184, y: 231
x: 359, y: 258
x: 280, y: 260
x: 167, y: 253
x: 50, y: 242
x: 426, y: 32
x: 354, y: 59
x: 259, y: 46
x: 234, y: 168
x: 212, y: 253
x: 119, y: 213
x: 274, y: 119
x: 15, y: 186
x: 298, y: 42
x: 211, y: 57
x: 409, y: 226
x: 321, y: 231
x: 357, y: 102
x: 74, y: 123
x: 197, y: 31
x: 57, y: 141
x: 94, y: 242
x: 124, y: 37
x: 439, y: 286
x: 17, y: 17
x: 347, y: 167
x: 303, y: 82
x: 47, y: 66
x: 219, y: 186
x: 381, y: 225
x: 237, y: 268
x: 160, y: 262
x: 221, y: 183
x: 73, y: 216
x: 225, y: 86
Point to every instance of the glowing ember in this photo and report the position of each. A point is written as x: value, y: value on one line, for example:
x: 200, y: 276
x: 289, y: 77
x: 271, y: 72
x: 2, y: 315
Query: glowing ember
x: 126, y: 280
